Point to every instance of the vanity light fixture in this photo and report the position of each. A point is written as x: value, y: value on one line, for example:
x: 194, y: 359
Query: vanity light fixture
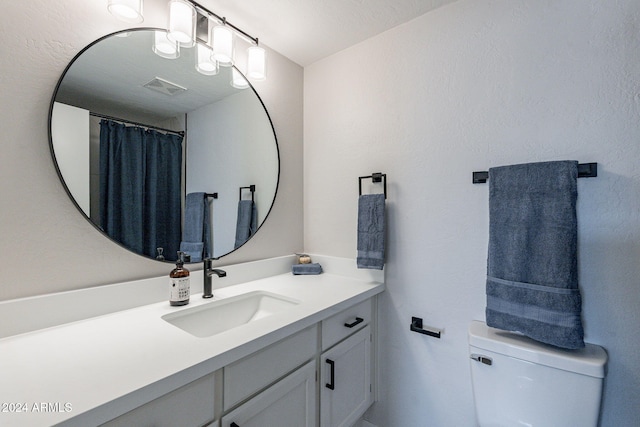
x: 189, y: 27
x: 126, y: 10
x: 164, y: 47
x: 182, y: 23
x: 256, y: 62
x: 222, y: 42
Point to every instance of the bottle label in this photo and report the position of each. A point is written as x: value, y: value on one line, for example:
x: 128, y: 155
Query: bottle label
x: 180, y: 288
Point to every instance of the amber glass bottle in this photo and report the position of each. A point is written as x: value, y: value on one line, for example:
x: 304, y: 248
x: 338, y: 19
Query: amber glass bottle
x: 179, y: 281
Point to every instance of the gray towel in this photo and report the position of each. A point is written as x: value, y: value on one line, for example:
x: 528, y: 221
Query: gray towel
x: 247, y: 222
x: 307, y: 269
x: 532, y: 275
x: 371, y: 230
x: 196, y: 238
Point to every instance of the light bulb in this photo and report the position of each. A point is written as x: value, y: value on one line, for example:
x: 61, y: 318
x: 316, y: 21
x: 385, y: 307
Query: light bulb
x: 237, y: 79
x: 126, y: 10
x: 182, y: 23
x: 222, y: 42
x: 256, y: 63
x: 164, y: 47
x: 205, y: 64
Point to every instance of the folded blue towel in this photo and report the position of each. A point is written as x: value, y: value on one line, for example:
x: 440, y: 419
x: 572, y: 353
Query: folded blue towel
x: 196, y: 237
x: 371, y: 231
x: 532, y: 275
x: 247, y: 222
x: 313, y: 268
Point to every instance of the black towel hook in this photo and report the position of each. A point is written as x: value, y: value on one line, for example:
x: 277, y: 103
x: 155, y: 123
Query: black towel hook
x: 375, y: 177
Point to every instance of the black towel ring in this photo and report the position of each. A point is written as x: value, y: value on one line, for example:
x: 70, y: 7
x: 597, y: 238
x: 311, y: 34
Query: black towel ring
x: 251, y: 188
x: 375, y: 177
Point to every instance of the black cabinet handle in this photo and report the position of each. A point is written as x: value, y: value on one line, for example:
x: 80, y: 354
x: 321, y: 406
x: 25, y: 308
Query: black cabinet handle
x: 234, y: 425
x: 331, y: 385
x: 356, y: 322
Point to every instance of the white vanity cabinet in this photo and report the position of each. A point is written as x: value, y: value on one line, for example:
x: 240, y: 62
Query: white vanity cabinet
x: 343, y: 381
x: 346, y: 390
x: 127, y: 365
x: 280, y: 385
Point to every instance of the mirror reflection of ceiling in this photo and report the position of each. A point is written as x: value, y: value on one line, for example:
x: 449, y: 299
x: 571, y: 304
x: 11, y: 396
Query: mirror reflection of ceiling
x: 90, y: 82
x: 306, y: 31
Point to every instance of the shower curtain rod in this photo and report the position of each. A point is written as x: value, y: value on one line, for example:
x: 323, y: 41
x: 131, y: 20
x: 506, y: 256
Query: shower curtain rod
x: 104, y: 116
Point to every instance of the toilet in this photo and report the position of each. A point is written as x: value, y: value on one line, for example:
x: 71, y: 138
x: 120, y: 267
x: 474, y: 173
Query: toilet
x: 520, y: 382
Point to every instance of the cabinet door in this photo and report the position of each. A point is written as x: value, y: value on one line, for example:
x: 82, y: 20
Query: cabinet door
x: 290, y: 402
x: 346, y: 381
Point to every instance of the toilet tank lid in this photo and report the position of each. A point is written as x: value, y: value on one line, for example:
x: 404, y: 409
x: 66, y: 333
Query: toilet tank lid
x: 590, y: 360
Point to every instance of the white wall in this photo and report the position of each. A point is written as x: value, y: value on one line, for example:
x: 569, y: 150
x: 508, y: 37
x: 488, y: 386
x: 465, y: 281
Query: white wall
x: 476, y: 84
x: 69, y: 136
x: 233, y: 131
x: 47, y: 242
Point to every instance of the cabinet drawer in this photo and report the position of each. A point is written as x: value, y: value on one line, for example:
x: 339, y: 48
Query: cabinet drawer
x: 343, y: 324
x: 253, y: 373
x: 191, y: 404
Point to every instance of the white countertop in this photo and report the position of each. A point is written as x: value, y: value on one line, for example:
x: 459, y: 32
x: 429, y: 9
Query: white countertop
x: 100, y: 367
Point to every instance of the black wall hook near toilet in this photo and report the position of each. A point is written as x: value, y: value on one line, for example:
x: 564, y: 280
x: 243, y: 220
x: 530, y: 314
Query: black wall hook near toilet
x: 416, y: 326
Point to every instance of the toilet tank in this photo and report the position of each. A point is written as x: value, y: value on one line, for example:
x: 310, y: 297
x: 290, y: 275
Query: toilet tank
x: 520, y: 382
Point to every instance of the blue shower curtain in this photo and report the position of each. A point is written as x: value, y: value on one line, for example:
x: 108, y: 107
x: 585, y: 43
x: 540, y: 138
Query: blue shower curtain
x: 140, y: 188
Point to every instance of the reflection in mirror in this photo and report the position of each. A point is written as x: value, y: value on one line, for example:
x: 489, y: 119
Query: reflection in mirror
x: 158, y: 156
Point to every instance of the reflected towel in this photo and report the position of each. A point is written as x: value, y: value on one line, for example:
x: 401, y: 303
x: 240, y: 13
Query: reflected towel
x: 371, y: 230
x: 307, y: 269
x: 247, y: 222
x: 196, y: 237
x: 532, y: 277
x: 193, y: 250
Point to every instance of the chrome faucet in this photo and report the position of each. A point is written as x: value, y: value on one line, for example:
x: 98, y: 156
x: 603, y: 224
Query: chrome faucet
x: 208, y: 272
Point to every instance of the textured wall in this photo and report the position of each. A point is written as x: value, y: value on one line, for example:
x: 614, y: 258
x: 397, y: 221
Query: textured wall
x: 472, y: 85
x: 46, y: 243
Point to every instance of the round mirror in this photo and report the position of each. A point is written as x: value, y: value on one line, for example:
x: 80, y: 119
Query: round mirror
x: 158, y: 152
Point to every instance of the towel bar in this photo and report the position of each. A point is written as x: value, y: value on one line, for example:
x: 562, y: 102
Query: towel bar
x: 214, y: 195
x: 585, y: 170
x: 251, y: 188
x: 375, y: 177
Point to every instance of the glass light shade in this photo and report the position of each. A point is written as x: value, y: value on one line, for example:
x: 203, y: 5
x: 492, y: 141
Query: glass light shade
x: 182, y: 23
x: 205, y: 64
x: 237, y: 80
x: 256, y: 63
x: 164, y: 47
x: 126, y: 10
x: 222, y: 42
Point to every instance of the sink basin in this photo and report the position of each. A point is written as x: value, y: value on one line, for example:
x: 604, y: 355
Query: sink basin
x: 220, y: 316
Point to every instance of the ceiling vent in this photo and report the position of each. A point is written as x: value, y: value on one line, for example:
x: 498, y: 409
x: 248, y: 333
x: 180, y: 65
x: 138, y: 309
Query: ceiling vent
x: 164, y: 86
